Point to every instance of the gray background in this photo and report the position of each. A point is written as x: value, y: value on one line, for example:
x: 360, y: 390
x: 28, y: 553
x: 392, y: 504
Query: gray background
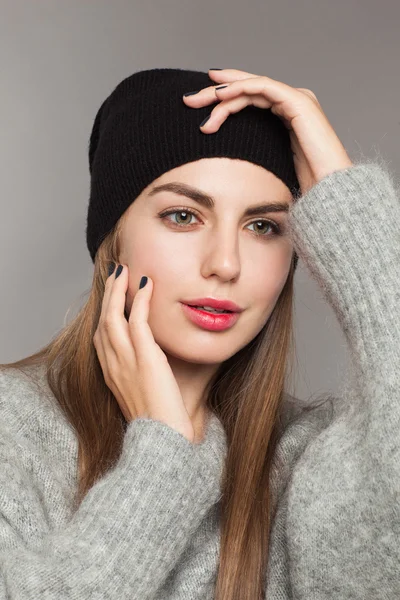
x: 60, y: 59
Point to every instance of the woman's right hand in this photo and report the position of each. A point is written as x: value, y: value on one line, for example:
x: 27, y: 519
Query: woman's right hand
x: 134, y: 366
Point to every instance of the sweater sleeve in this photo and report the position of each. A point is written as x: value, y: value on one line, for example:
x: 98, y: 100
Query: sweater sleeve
x: 195, y: 576
x: 343, y: 526
x: 129, y: 530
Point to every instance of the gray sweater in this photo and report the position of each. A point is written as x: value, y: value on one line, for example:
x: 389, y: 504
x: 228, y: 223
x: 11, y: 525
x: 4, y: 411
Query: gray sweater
x: 149, y: 529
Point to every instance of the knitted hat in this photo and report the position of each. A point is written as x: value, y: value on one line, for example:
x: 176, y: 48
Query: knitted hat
x: 144, y: 128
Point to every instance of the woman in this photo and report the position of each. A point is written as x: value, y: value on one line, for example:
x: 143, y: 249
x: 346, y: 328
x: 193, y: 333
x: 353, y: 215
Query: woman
x: 172, y: 423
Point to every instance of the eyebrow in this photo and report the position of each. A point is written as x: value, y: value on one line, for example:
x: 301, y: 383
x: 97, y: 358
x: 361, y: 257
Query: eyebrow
x: 208, y: 201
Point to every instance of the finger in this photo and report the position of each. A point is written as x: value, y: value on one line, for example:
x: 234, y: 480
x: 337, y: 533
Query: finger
x: 221, y: 112
x: 139, y: 328
x: 98, y: 338
x: 116, y: 292
x: 231, y: 75
x: 106, y: 296
x: 277, y: 93
x: 207, y: 94
x: 204, y: 97
x: 309, y: 93
x: 227, y: 75
x: 114, y: 328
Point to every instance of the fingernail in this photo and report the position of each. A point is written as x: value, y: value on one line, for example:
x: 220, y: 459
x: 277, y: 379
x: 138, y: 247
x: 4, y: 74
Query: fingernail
x: 191, y: 93
x: 220, y: 87
x: 143, y: 282
x: 205, y: 121
x: 111, y: 268
x: 215, y: 69
x: 118, y: 271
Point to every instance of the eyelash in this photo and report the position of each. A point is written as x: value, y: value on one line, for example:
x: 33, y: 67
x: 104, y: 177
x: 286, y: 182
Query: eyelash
x: 276, y: 228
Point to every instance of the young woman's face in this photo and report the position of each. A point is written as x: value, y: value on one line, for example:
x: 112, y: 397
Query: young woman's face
x: 216, y: 252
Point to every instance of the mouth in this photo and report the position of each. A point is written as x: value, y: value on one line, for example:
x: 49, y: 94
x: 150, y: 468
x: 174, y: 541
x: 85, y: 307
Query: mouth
x: 217, y: 305
x: 209, y: 309
x: 210, y: 320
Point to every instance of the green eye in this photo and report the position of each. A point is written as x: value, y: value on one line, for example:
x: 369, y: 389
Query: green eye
x: 190, y: 213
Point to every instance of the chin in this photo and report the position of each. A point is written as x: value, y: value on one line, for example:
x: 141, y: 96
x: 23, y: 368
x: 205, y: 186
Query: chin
x: 196, y: 354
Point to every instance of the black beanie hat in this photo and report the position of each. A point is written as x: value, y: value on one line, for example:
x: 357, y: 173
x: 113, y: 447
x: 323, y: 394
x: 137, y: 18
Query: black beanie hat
x: 144, y: 128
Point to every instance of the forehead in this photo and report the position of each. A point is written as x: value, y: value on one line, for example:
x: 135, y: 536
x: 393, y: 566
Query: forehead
x: 218, y: 177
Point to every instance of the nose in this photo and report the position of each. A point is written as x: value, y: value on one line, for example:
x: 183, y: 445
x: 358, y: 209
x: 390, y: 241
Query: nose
x: 222, y: 258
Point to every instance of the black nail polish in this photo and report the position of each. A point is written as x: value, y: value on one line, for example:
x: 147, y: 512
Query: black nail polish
x: 111, y: 268
x: 191, y: 93
x: 118, y: 271
x: 205, y: 121
x: 220, y: 87
x: 215, y: 69
x: 143, y: 282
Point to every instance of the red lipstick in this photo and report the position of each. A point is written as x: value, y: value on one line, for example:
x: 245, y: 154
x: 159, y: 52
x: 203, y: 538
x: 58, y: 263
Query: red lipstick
x: 214, y: 303
x: 208, y: 320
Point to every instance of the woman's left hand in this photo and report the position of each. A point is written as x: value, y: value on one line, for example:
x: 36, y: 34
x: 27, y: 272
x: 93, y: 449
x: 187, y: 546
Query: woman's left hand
x: 317, y: 149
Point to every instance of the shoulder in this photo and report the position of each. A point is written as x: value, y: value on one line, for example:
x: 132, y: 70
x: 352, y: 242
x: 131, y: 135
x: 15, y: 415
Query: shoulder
x: 29, y: 410
x: 318, y: 412
x: 38, y: 459
x: 302, y: 420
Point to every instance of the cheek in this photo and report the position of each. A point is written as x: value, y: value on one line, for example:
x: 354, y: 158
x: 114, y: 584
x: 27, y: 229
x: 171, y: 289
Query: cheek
x: 266, y: 295
x: 266, y: 288
x: 167, y: 267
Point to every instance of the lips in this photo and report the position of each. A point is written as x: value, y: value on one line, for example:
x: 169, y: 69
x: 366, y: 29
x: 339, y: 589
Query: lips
x: 209, y: 320
x: 213, y: 311
x: 217, y: 303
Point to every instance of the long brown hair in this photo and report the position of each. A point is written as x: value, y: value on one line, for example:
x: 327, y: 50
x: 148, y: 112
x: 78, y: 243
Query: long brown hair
x: 246, y: 394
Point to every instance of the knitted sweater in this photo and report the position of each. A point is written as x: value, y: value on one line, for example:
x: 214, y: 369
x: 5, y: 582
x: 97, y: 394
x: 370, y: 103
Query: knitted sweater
x: 149, y: 529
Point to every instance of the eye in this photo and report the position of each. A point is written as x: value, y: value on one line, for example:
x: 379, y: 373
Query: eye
x: 275, y: 227
x: 181, y: 211
x: 191, y: 213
